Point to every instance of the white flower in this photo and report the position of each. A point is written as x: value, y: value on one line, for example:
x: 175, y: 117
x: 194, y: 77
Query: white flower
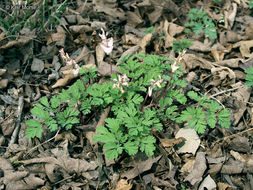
x: 106, y: 44
x: 154, y: 84
x: 123, y: 81
x: 174, y: 67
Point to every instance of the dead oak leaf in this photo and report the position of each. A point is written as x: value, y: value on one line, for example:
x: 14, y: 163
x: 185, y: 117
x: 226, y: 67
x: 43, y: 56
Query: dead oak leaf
x: 140, y: 168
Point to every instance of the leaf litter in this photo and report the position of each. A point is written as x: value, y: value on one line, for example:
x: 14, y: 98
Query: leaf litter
x: 31, y: 67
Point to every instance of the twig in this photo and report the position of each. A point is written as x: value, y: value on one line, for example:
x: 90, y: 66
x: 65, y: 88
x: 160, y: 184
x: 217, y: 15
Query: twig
x: 17, y: 125
x: 31, y: 150
x: 222, y: 92
x: 218, y: 101
x: 239, y: 133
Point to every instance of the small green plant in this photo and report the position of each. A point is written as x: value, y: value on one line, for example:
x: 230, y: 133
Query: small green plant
x: 145, y: 94
x: 182, y: 44
x: 250, y: 4
x: 150, y: 30
x: 249, y: 76
x: 199, y: 21
x: 217, y: 1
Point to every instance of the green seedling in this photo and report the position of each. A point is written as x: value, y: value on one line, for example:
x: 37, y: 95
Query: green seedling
x: 199, y: 21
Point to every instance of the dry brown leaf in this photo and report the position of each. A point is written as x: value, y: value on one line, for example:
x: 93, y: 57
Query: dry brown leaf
x: 80, y: 29
x: 58, y: 37
x: 130, y: 39
x: 168, y: 38
x: 240, y: 144
x: 188, y: 166
x: 106, y: 69
x: 64, y: 81
x: 99, y: 54
x: 123, y: 185
x: 134, y: 18
x: 191, y: 61
x: 168, y: 143
x: 140, y: 167
x: 231, y: 15
x: 242, y: 95
x: 245, y: 158
x: 3, y: 83
x: 155, y: 15
x: 198, y: 169
x: 129, y: 52
x: 231, y: 169
x: 231, y: 63
x: 218, y: 52
x: 2, y: 71
x: 249, y: 31
x: 175, y: 29
x: 223, y: 186
x: 21, y: 41
x: 145, y: 41
x: 199, y: 46
x: 244, y: 47
x: 222, y: 75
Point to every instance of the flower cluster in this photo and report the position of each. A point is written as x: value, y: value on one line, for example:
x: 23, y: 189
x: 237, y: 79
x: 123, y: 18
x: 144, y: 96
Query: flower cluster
x: 70, y: 62
x: 154, y: 84
x: 106, y: 44
x: 123, y: 81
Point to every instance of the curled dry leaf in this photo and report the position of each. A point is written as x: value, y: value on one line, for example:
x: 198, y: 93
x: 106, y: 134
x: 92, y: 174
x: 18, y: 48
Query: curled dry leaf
x: 168, y: 143
x: 223, y: 76
x: 242, y: 95
x: 123, y: 185
x: 59, y: 37
x: 244, y: 47
x: 198, y: 169
x: 16, y: 180
x: 145, y: 41
x: 191, y: 61
x: 240, y: 144
x: 21, y: 41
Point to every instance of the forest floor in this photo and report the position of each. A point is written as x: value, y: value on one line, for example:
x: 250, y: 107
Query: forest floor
x: 32, y: 66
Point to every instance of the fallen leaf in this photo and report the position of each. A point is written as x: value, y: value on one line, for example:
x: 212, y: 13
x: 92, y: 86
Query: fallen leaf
x: 223, y: 186
x: 21, y: 40
x: 198, y: 169
x: 37, y: 65
x: 123, y: 185
x: 58, y: 37
x: 192, y: 141
x: 222, y: 76
x: 240, y: 144
x: 141, y: 167
x: 244, y: 47
x: 167, y: 143
x: 242, y: 95
x: 207, y: 184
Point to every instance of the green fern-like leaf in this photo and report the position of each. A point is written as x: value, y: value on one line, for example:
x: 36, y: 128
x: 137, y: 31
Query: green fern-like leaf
x: 249, y: 76
x: 34, y: 128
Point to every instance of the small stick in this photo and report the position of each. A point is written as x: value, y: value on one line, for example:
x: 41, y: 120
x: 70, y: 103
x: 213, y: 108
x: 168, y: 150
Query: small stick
x: 31, y: 150
x: 17, y: 125
x: 222, y: 92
